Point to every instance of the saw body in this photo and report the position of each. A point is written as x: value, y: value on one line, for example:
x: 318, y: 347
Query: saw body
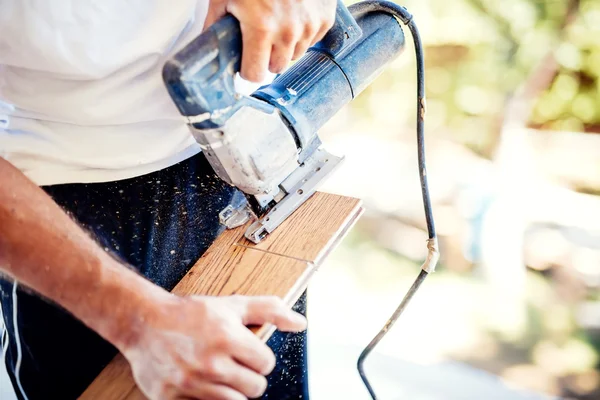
x: 267, y: 144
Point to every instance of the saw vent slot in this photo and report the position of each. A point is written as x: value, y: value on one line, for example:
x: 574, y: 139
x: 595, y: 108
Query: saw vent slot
x: 308, y: 70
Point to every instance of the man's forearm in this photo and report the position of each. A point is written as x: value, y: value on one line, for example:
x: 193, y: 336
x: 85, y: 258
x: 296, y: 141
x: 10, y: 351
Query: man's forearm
x: 41, y: 247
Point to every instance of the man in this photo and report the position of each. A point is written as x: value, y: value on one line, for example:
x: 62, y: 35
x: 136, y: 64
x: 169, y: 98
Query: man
x: 106, y: 201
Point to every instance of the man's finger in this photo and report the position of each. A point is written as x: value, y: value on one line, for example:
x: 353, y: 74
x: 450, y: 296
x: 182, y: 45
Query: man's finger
x: 216, y: 11
x: 271, y: 310
x: 280, y: 57
x: 254, y: 353
x: 212, y: 391
x: 306, y: 41
x: 244, y: 380
x: 283, y: 49
x: 301, y: 48
x: 230, y: 379
x: 256, y: 54
x: 321, y: 32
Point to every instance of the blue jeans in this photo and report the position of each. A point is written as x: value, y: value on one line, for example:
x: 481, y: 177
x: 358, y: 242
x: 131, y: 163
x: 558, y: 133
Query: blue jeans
x: 51, y: 355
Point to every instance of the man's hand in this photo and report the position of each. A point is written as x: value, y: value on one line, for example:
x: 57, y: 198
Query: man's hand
x: 200, y: 348
x: 275, y: 31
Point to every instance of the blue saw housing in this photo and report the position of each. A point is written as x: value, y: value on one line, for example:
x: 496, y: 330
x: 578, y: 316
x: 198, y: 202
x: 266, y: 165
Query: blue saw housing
x: 200, y: 78
x: 315, y: 88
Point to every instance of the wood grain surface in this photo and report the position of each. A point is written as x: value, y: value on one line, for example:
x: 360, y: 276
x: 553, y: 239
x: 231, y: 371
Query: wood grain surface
x: 281, y: 265
x: 310, y: 232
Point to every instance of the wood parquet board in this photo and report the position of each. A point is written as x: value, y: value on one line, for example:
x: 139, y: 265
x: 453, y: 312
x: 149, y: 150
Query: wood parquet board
x: 281, y: 265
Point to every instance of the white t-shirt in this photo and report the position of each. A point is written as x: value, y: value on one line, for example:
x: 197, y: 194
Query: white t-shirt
x: 81, y: 92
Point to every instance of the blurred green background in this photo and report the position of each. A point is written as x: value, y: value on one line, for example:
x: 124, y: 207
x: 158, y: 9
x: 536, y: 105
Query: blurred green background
x: 513, y: 153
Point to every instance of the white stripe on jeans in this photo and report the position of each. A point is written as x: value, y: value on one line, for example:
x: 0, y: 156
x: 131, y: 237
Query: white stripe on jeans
x: 4, y: 340
x: 18, y: 340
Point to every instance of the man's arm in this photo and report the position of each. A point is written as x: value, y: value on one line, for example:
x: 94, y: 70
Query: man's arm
x: 195, y: 346
x: 41, y: 247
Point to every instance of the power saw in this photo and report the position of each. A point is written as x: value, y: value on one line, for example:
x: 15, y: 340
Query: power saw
x: 266, y: 144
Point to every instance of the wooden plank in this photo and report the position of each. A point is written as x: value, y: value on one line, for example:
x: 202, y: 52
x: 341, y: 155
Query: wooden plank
x: 239, y: 270
x: 282, y: 266
x: 113, y: 382
x: 245, y: 271
x: 312, y: 230
x: 136, y: 395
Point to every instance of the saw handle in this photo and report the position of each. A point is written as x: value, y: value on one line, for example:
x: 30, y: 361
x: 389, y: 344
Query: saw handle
x: 200, y: 77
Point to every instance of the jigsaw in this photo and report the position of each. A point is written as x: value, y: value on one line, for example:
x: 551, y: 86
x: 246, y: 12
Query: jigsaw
x: 267, y: 144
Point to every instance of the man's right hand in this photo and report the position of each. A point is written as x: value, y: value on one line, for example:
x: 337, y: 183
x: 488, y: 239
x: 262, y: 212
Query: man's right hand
x: 274, y: 32
x: 200, y: 348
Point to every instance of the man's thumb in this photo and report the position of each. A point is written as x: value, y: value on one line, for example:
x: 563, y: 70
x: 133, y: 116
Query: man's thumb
x: 216, y: 10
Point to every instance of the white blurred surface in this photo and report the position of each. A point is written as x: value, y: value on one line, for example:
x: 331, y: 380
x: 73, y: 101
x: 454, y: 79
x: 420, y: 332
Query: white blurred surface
x: 334, y: 376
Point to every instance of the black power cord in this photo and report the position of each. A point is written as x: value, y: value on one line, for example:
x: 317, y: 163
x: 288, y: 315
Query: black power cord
x: 433, y: 253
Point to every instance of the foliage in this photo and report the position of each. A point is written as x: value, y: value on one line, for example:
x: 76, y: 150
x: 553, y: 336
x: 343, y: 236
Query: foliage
x: 573, y: 100
x: 478, y: 52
